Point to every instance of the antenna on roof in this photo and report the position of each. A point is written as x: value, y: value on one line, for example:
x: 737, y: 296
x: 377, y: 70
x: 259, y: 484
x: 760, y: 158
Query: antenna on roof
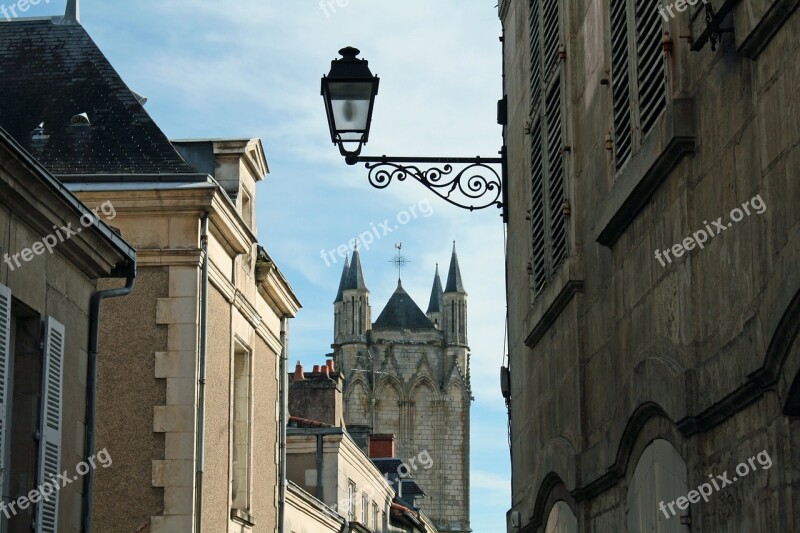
x: 73, y: 12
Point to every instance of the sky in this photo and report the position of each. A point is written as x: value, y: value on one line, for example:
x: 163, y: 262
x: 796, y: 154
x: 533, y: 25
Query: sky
x: 252, y: 68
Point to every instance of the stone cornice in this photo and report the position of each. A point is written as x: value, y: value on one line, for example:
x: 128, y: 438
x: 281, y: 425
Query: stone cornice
x: 41, y: 207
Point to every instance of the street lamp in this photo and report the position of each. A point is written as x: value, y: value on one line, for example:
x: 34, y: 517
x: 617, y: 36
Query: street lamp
x: 349, y: 91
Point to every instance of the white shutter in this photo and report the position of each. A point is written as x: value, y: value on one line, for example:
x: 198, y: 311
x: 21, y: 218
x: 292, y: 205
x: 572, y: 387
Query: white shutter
x: 5, y: 378
x: 50, y: 441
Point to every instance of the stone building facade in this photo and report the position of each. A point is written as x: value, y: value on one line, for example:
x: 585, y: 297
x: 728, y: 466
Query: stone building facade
x: 407, y: 375
x: 47, y: 286
x: 188, y: 368
x: 653, y: 344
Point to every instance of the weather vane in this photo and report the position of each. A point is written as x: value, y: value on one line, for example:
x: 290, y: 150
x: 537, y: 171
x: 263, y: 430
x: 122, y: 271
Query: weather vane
x: 399, y: 260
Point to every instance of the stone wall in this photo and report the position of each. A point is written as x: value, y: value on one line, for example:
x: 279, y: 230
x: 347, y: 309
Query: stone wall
x: 619, y: 350
x: 420, y: 390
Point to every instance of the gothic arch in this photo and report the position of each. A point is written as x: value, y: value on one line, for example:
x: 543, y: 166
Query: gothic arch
x: 552, y: 490
x: 459, y: 389
x: 424, y: 415
x: 357, y: 403
x: 561, y: 519
x: 647, y: 414
x: 423, y: 380
x: 660, y: 477
x: 782, y: 359
x: 388, y: 397
x: 387, y: 381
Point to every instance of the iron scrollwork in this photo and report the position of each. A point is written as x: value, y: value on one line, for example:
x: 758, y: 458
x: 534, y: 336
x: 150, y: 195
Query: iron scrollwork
x: 476, y: 186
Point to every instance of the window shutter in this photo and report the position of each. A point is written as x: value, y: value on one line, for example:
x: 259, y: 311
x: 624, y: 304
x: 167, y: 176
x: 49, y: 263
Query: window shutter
x: 651, y: 73
x: 620, y: 82
x: 548, y: 227
x: 538, y: 256
x: 550, y: 33
x: 536, y: 56
x: 555, y: 173
x: 50, y: 440
x: 5, y: 378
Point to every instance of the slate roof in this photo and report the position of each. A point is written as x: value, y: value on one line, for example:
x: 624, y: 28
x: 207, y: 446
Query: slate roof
x: 402, y: 313
x: 435, y: 303
x: 51, y: 70
x: 355, y: 277
x: 342, y: 281
x: 454, y: 283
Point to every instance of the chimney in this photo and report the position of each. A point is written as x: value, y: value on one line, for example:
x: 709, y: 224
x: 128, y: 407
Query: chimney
x: 331, y: 368
x: 298, y: 372
x: 381, y: 446
x: 317, y: 396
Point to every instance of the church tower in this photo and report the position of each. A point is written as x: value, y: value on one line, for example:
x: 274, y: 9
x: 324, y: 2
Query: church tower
x: 352, y: 317
x: 407, y: 375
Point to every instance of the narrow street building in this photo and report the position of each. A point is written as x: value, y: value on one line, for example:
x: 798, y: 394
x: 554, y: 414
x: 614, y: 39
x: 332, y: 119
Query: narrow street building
x: 54, y: 251
x: 653, y: 252
x: 334, y: 485
x: 188, y: 364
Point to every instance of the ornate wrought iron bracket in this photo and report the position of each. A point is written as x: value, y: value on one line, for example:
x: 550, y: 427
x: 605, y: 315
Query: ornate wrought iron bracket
x: 476, y: 186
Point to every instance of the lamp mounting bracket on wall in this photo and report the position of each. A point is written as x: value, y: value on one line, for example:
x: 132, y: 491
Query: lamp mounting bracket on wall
x: 349, y: 91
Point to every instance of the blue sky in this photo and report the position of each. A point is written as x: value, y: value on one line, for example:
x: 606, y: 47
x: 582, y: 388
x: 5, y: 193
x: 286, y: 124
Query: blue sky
x: 252, y: 68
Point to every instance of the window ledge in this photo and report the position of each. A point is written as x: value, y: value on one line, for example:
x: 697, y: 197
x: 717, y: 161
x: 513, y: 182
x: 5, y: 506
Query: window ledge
x: 548, y: 307
x: 672, y: 138
x: 243, y: 517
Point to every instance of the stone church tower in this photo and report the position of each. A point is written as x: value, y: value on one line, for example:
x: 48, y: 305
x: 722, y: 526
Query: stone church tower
x: 407, y: 374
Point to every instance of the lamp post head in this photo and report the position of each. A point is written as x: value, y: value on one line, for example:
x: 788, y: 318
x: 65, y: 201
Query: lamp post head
x: 349, y: 91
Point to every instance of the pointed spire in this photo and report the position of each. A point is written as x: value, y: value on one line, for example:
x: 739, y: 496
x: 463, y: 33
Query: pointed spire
x: 355, y: 278
x: 342, y: 281
x: 73, y: 12
x: 454, y: 275
x: 435, y: 304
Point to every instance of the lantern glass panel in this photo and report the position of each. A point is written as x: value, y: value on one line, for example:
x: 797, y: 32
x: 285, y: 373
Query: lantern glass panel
x: 350, y: 105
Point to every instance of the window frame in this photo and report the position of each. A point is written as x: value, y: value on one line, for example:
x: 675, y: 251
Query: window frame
x: 241, y: 349
x: 351, y: 500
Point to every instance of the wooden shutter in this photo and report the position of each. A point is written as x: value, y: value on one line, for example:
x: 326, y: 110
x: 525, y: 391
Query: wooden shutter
x: 50, y: 439
x: 548, y: 227
x: 620, y: 82
x: 555, y: 174
x: 5, y: 378
x: 538, y: 242
x: 550, y: 36
x: 651, y: 73
x: 536, y: 54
